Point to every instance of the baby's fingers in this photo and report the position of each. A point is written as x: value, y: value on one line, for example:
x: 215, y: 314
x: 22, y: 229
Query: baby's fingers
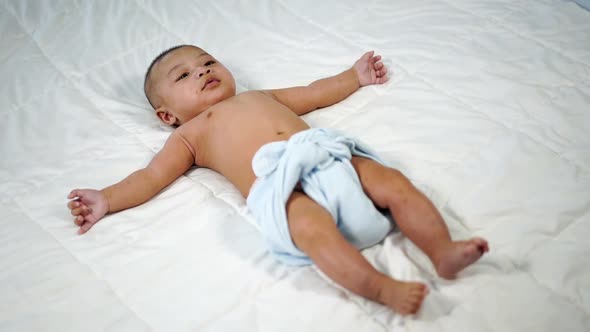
x: 381, y: 72
x: 82, y: 210
x: 79, y: 220
x: 368, y: 55
x: 75, y: 193
x: 85, y: 227
x: 76, y: 203
x: 382, y: 79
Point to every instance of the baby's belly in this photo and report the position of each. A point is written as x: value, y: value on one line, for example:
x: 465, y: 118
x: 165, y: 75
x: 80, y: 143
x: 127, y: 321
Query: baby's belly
x: 233, y: 158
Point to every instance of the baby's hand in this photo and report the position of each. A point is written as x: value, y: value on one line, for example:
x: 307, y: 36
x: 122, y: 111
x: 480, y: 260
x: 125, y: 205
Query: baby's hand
x: 88, y: 206
x: 370, y: 69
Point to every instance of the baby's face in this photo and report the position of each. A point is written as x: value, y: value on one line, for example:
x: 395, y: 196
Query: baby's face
x: 187, y: 81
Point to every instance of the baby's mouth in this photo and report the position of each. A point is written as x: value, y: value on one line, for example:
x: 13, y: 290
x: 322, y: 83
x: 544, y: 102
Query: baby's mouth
x: 210, y: 82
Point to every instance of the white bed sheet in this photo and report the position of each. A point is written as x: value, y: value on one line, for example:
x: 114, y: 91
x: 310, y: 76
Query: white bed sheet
x: 487, y: 112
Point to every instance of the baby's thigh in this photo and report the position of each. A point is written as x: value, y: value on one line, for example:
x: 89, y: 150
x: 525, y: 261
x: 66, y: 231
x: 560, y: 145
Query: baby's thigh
x: 307, y: 219
x: 380, y: 183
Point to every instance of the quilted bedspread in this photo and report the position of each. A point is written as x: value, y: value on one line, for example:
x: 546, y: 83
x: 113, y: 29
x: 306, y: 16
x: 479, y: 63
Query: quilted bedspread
x: 487, y: 112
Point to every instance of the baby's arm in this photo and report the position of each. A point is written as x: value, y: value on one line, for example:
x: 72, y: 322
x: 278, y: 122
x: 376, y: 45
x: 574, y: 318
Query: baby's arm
x: 89, y: 206
x: 327, y: 91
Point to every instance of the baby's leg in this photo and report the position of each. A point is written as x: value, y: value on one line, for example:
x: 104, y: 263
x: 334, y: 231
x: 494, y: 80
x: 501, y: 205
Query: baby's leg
x: 417, y: 218
x: 314, y: 232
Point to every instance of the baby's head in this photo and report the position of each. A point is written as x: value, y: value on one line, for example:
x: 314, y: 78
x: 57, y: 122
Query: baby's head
x: 184, y: 81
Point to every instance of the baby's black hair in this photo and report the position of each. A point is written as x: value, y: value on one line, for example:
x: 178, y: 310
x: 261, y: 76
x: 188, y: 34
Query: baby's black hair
x: 149, y: 70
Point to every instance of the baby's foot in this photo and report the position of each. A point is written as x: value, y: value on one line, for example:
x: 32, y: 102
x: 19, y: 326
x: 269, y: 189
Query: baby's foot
x: 403, y: 297
x: 459, y: 255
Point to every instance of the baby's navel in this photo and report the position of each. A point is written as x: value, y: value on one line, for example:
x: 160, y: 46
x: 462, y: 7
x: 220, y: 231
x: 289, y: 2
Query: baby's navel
x: 280, y: 132
x: 209, y: 114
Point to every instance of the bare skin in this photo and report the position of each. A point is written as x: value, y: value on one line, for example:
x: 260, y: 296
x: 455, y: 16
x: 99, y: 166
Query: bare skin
x: 222, y: 131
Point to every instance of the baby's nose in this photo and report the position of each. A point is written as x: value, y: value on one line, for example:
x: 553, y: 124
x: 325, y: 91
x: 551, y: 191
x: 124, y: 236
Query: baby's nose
x: 203, y: 73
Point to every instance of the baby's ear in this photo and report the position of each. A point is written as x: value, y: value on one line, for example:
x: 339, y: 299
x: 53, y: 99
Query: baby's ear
x: 164, y: 114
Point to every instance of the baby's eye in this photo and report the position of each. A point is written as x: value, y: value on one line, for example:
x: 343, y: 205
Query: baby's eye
x: 182, y: 76
x: 209, y: 63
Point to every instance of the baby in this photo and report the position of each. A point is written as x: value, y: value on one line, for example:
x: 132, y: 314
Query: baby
x: 316, y: 194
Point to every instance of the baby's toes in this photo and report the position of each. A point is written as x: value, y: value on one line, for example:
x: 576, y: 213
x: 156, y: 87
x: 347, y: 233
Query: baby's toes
x: 414, y: 306
x: 408, y: 308
x: 480, y: 244
x: 419, y: 290
x: 416, y: 297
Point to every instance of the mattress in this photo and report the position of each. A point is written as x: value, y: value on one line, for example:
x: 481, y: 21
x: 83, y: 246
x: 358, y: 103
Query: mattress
x: 486, y: 111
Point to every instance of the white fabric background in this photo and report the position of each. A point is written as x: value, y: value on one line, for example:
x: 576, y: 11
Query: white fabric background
x: 487, y: 112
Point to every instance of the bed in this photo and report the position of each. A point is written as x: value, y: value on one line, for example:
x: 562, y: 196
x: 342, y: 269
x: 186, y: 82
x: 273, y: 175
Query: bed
x: 486, y: 111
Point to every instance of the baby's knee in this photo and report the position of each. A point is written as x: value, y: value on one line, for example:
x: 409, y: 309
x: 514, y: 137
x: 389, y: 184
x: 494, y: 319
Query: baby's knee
x: 397, y: 178
x: 399, y: 186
